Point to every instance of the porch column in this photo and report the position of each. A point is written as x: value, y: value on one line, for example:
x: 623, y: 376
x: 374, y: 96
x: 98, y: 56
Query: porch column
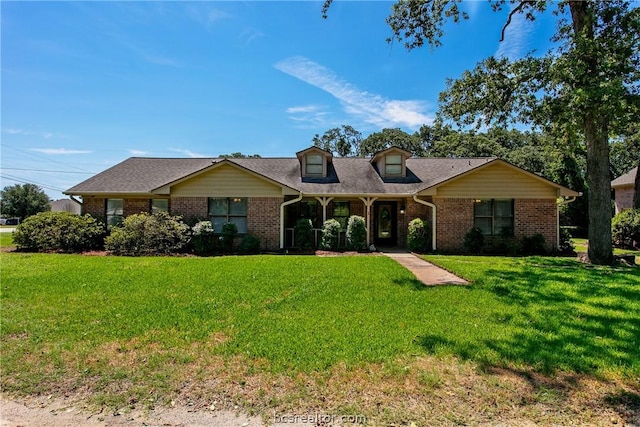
x: 282, y: 206
x: 324, y: 201
x: 368, y: 202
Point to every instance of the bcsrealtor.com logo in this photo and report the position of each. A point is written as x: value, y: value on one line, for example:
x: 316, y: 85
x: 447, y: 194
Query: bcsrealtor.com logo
x: 318, y: 419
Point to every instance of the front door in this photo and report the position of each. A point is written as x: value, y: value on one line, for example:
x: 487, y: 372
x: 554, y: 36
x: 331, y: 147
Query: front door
x: 385, y: 223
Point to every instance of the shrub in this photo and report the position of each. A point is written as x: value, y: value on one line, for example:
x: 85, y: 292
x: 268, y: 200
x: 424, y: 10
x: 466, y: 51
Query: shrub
x: 625, y: 229
x: 566, y: 245
x: 146, y: 234
x: 504, y: 243
x: 330, y: 235
x: 228, y: 235
x: 419, y: 235
x: 303, y: 234
x: 59, y: 231
x: 356, y: 233
x: 250, y: 245
x: 203, y: 238
x: 533, y: 245
x: 473, y: 241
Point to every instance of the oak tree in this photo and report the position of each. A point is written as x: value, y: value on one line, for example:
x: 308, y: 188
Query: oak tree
x: 586, y: 87
x: 22, y: 201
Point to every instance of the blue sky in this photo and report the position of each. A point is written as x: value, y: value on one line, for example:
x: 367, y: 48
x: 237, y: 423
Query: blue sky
x: 86, y: 85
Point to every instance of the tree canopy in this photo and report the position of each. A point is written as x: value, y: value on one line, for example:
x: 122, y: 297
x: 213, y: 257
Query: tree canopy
x: 386, y: 138
x: 22, y: 201
x: 343, y: 141
x: 588, y: 88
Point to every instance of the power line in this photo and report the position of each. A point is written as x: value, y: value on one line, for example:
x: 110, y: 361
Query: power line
x: 45, y: 158
x: 45, y: 170
x: 25, y: 181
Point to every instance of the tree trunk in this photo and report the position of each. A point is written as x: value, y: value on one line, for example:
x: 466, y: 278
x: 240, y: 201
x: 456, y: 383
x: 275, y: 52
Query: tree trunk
x: 636, y: 191
x: 597, y: 141
x: 596, y: 135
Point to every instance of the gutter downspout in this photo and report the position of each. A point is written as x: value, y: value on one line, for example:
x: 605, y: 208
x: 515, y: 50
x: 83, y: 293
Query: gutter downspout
x: 282, y: 206
x: 433, y: 219
x: 561, y: 203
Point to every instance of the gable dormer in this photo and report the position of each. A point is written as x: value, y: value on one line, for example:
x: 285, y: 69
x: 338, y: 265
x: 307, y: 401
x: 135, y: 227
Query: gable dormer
x: 392, y: 162
x: 314, y: 162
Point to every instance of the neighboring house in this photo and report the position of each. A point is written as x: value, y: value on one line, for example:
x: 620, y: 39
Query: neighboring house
x: 66, y: 205
x: 266, y: 196
x: 623, y: 187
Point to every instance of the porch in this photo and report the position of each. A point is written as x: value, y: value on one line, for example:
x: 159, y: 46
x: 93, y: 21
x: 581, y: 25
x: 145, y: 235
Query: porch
x: 386, y: 219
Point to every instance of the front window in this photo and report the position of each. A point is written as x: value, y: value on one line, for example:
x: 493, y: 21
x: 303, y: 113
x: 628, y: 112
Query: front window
x: 393, y: 164
x: 341, y: 213
x: 228, y: 209
x: 159, y: 205
x: 494, y: 217
x: 115, y: 211
x: 314, y: 164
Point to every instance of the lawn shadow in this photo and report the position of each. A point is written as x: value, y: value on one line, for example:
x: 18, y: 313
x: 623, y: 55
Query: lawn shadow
x: 560, y: 315
x: 413, y: 284
x: 626, y: 404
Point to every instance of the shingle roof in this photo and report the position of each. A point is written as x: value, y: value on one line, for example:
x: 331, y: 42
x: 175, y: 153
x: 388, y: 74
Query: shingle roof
x: 347, y: 175
x: 626, y: 179
x: 140, y: 175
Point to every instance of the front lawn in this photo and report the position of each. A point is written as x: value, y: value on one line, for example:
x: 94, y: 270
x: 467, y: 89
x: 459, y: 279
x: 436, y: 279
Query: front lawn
x: 294, y: 333
x: 582, y: 245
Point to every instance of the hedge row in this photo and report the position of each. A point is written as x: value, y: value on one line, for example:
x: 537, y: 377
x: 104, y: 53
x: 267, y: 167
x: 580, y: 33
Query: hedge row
x: 140, y: 234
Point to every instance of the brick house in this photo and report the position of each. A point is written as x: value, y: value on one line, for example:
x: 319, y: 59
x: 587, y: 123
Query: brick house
x: 623, y: 188
x: 266, y: 196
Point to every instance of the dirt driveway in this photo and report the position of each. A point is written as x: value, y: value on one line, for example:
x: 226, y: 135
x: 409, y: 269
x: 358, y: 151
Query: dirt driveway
x: 43, y: 412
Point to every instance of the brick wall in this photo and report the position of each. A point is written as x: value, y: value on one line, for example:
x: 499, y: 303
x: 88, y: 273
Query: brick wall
x: 190, y: 208
x: 263, y: 220
x: 624, y: 198
x: 534, y: 216
x: 413, y: 210
x: 94, y: 207
x: 135, y: 206
x: 454, y: 220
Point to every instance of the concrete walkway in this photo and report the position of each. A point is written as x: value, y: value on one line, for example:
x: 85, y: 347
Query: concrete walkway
x: 427, y: 273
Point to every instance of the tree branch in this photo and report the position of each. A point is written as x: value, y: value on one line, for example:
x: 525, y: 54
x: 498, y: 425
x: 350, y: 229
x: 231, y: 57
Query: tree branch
x: 513, y: 12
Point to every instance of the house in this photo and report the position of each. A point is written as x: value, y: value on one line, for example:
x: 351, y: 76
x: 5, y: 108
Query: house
x: 623, y: 188
x: 266, y: 196
x: 66, y: 205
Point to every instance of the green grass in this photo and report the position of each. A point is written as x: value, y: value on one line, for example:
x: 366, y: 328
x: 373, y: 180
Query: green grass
x: 87, y: 321
x: 581, y: 245
x: 549, y: 313
x: 6, y: 239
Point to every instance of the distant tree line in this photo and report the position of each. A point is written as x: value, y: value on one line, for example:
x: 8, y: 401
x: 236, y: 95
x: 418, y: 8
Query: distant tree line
x: 563, y: 162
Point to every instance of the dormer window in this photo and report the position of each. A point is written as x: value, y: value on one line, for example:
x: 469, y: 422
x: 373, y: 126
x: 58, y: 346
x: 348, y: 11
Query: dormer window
x: 393, y: 164
x: 314, y: 164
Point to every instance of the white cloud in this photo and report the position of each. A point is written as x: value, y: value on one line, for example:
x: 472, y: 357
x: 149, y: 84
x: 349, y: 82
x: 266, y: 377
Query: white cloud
x: 206, y: 16
x: 516, y: 37
x: 138, y: 152
x: 372, y: 108
x: 313, y: 115
x: 14, y: 131
x: 248, y: 35
x: 58, y: 151
x: 187, y: 153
